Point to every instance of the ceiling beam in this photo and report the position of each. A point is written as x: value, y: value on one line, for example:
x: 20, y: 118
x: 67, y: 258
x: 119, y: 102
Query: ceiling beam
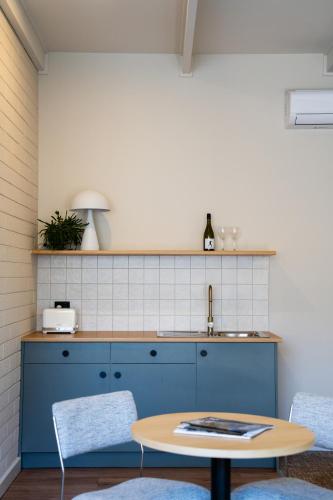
x: 189, y: 30
x: 23, y: 28
x: 329, y: 61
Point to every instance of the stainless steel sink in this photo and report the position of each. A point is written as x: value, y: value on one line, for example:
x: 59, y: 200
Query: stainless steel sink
x: 223, y: 334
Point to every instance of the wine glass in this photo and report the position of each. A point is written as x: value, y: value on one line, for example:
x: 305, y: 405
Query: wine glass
x: 234, y: 232
x: 222, y: 232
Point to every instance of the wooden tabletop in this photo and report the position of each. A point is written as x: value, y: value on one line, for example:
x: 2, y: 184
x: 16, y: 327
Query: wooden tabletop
x: 109, y: 336
x: 285, y: 439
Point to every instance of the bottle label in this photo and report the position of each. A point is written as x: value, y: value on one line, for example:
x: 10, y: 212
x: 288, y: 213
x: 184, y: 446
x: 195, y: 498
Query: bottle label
x: 209, y: 244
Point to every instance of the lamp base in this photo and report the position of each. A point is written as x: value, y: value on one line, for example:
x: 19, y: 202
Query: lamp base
x: 89, y: 239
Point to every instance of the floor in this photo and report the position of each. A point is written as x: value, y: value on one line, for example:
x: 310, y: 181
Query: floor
x: 44, y: 484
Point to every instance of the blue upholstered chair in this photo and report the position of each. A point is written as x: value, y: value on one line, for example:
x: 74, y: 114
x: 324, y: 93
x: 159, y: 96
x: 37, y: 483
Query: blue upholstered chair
x: 95, y: 422
x: 282, y: 489
x: 316, y: 413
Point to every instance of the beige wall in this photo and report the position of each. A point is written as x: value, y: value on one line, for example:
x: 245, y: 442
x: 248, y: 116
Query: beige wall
x: 165, y: 150
x: 18, y: 211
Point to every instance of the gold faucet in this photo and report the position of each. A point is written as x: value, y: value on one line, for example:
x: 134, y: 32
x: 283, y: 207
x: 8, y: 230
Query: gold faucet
x: 210, y: 325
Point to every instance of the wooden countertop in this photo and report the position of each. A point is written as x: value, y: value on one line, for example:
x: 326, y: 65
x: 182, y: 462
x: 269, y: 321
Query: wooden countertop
x: 109, y: 336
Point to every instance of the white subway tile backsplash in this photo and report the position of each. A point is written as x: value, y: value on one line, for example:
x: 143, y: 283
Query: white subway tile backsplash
x: 105, y: 275
x: 167, y: 322
x: 151, y: 307
x: 104, y: 291
x: 74, y: 262
x: 57, y: 291
x: 260, y: 262
x: 136, y: 275
x: 151, y: 275
x: 120, y: 275
x: 135, y: 307
x: 135, y: 291
x: 89, y: 261
x: 198, y: 276
x: 44, y: 261
x: 260, y: 292
x: 167, y: 292
x: 182, y: 307
x: 136, y: 261
x: 151, y: 323
x: 229, y: 276
x: 89, y: 291
x: 213, y: 276
x: 105, y: 261
x: 73, y: 291
x: 167, y: 276
x: 260, y: 276
x: 229, y: 262
x: 135, y: 323
x: 151, y: 292
x: 244, y: 291
x: 120, y: 261
x: 213, y: 262
x: 74, y: 275
x: 151, y: 261
x: 43, y: 275
x: 58, y: 275
x: 198, y: 262
x: 244, y: 262
x: 167, y: 261
x: 58, y: 261
x: 182, y: 261
x: 167, y: 307
x: 120, y: 323
x: 260, y: 307
x: 89, y: 275
x: 104, y: 323
x: 181, y: 291
x: 120, y: 291
x: 182, y: 323
x: 182, y: 276
x: 120, y: 307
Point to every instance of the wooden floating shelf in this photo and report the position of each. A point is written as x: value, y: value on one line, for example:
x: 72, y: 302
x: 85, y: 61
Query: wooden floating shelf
x: 153, y: 252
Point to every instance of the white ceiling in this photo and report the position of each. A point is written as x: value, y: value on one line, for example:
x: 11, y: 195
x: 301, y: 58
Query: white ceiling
x: 223, y: 26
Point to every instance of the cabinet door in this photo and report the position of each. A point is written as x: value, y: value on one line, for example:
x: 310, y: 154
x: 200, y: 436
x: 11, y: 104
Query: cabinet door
x: 157, y: 389
x: 45, y: 384
x: 236, y: 377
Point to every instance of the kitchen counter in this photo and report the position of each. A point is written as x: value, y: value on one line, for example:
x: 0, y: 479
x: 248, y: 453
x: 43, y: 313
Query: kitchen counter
x: 111, y: 336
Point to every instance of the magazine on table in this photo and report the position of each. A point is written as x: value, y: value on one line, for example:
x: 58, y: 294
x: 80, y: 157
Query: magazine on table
x: 220, y: 427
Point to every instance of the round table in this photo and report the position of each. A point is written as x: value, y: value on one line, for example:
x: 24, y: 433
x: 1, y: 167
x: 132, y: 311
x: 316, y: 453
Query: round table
x: 285, y: 439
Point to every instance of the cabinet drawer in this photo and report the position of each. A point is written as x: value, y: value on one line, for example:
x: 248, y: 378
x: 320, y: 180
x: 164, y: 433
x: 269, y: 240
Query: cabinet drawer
x: 66, y: 352
x: 151, y: 352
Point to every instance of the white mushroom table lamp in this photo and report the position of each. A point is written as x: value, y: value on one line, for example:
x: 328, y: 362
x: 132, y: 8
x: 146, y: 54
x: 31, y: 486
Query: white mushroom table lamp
x: 90, y: 200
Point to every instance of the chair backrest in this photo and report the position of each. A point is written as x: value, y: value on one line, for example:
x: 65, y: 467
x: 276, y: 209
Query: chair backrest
x: 94, y: 422
x: 316, y: 413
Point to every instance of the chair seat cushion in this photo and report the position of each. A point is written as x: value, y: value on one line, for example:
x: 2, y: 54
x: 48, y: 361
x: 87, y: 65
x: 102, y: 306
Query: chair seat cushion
x: 282, y: 489
x: 146, y: 488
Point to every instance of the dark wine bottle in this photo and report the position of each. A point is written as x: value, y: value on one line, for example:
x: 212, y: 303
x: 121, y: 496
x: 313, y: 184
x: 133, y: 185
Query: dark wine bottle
x: 209, y: 238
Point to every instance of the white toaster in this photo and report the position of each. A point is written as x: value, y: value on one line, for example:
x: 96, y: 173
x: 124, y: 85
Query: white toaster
x: 60, y: 320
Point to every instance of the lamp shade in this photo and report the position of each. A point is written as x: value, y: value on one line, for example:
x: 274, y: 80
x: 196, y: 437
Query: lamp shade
x: 91, y: 200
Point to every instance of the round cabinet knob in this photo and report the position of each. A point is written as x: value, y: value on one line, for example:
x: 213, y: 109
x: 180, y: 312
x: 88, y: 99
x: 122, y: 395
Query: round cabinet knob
x: 203, y: 353
x: 153, y: 353
x: 117, y: 374
x: 65, y: 354
x: 102, y: 374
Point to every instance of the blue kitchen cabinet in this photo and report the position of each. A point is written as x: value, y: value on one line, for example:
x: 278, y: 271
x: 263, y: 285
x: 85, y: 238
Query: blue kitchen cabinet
x: 45, y: 384
x: 237, y: 377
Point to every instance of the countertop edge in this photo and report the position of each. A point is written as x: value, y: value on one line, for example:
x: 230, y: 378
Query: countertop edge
x: 110, y: 336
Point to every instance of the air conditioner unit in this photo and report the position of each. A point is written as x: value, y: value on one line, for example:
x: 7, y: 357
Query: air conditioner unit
x: 310, y: 108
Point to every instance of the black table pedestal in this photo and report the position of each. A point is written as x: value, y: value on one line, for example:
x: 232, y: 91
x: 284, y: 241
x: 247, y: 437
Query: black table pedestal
x: 220, y: 474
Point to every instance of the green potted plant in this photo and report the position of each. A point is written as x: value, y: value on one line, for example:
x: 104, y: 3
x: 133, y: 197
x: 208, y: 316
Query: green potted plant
x: 62, y: 233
